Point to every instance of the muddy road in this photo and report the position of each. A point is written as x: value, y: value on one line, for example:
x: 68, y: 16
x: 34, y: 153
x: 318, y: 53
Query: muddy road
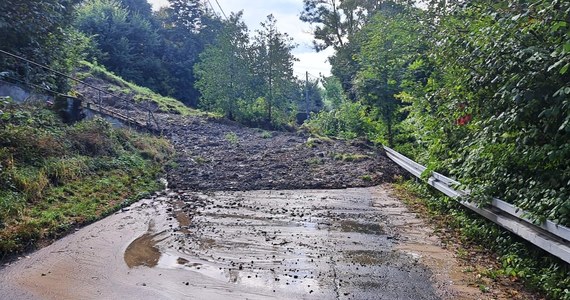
x: 272, y: 244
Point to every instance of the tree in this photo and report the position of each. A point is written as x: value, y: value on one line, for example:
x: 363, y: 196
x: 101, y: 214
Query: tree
x: 138, y: 7
x: 390, y: 44
x: 274, y: 68
x: 337, y: 20
x: 126, y: 42
x: 333, y: 93
x: 186, y: 28
x: 39, y: 31
x: 223, y: 73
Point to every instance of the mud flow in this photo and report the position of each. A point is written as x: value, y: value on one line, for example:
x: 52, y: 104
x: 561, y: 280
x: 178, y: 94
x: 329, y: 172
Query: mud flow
x: 289, y: 244
x: 310, y: 244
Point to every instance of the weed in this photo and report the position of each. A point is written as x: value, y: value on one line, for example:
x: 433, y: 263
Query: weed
x: 483, y: 288
x: 200, y: 160
x: 366, y: 177
x: 314, y: 161
x: 311, y: 142
x: 317, y: 140
x: 462, y: 253
x: 266, y: 134
x: 232, y: 138
x: 95, y: 170
x: 355, y: 157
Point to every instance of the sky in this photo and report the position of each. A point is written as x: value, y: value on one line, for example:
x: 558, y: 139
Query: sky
x: 287, y: 14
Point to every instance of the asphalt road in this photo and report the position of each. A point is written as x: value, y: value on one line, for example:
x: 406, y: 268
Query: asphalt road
x: 309, y: 244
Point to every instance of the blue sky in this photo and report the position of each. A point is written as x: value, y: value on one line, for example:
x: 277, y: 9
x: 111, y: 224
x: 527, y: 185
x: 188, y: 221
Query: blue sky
x: 287, y: 14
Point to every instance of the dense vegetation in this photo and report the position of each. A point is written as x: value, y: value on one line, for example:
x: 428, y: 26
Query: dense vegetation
x: 249, y: 81
x: 184, y: 51
x: 476, y: 89
x: 516, y: 259
x: 55, y: 177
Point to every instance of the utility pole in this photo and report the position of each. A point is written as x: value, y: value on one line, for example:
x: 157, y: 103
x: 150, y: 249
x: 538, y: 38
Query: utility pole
x: 307, y: 93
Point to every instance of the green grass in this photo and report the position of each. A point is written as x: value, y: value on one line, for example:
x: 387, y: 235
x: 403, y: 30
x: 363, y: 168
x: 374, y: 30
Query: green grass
x: 314, y: 161
x: 266, y: 134
x: 55, y: 177
x: 313, y: 141
x: 139, y: 94
x: 518, y: 260
x: 232, y: 138
x: 349, y: 157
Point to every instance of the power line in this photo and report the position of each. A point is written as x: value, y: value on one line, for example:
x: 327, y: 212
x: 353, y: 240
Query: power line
x: 212, y: 7
x: 221, y: 9
x: 81, y: 82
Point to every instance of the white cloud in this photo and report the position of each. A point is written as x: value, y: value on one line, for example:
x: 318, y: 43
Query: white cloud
x: 287, y: 14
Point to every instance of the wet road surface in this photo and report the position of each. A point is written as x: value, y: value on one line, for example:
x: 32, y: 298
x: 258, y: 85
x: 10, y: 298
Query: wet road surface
x: 311, y: 244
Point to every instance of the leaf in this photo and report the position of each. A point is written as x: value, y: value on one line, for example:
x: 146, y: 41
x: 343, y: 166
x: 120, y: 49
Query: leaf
x: 564, y: 69
x: 558, y: 25
x: 555, y: 65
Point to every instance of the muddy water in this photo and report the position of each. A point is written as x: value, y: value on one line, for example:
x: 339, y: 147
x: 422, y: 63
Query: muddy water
x: 313, y: 244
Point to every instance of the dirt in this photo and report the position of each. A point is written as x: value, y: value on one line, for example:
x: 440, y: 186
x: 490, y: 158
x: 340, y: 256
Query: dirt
x: 216, y: 155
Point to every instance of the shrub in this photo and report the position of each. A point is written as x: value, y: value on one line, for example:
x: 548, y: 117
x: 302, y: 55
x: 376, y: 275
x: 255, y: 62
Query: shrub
x: 92, y: 138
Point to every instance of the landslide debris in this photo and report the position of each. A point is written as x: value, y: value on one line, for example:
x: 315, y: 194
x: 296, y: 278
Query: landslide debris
x: 216, y: 155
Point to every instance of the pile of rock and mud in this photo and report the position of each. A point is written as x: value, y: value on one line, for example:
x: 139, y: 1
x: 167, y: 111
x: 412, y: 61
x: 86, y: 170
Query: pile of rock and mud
x: 217, y: 154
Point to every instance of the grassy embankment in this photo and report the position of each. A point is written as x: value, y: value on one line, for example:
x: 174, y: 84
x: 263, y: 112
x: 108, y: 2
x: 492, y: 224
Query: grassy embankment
x: 129, y: 90
x: 55, y: 177
x: 516, y: 259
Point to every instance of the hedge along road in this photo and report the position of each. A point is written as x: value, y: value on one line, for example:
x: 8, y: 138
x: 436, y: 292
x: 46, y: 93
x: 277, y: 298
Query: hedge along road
x: 310, y: 244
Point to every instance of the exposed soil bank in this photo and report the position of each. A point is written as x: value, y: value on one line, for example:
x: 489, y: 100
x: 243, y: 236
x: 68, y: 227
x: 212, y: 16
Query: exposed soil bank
x: 311, y: 244
x: 216, y: 155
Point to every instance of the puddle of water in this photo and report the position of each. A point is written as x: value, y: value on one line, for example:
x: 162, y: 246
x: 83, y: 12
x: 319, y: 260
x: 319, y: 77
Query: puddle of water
x: 370, y: 258
x: 182, y: 216
x: 143, y: 252
x: 353, y: 226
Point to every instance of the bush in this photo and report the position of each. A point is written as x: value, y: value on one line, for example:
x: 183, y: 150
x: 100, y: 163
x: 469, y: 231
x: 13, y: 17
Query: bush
x: 92, y: 138
x: 350, y: 120
x: 53, y: 176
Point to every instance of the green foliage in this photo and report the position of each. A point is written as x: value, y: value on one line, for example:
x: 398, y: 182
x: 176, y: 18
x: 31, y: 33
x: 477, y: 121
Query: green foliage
x: 154, y: 50
x: 54, y: 177
x: 336, y: 20
x: 266, y: 134
x: 349, y: 157
x: 390, y: 43
x: 333, y: 94
x: 232, y: 138
x: 138, y: 93
x: 494, y: 110
x: 518, y: 259
x: 223, y: 71
x: 39, y: 31
x: 249, y: 81
x: 350, y: 120
x: 125, y: 42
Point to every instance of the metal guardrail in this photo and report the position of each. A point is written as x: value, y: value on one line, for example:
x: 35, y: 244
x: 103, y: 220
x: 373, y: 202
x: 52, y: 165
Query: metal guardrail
x: 549, y: 236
